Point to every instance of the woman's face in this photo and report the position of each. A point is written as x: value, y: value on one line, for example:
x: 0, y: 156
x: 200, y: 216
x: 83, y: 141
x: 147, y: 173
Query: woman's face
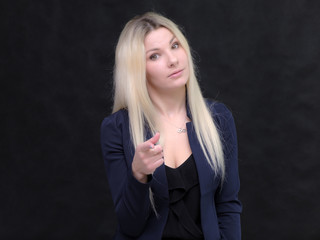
x: 167, y: 64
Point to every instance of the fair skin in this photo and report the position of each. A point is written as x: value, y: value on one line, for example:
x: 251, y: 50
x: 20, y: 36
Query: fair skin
x: 167, y: 71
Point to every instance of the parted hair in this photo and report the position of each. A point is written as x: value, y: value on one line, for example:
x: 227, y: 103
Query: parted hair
x: 130, y: 88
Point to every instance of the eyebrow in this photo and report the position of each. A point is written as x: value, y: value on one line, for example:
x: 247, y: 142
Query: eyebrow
x: 156, y: 49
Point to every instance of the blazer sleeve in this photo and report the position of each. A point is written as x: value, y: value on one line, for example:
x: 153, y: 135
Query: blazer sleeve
x: 228, y: 205
x: 130, y: 197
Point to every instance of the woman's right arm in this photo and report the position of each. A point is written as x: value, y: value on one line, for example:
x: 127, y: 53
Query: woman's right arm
x: 130, y: 196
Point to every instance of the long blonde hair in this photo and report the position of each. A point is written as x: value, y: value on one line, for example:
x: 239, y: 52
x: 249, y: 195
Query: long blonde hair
x: 131, y: 88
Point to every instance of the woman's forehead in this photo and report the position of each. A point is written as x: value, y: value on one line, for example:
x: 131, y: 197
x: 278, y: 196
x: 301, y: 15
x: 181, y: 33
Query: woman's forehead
x: 158, y: 38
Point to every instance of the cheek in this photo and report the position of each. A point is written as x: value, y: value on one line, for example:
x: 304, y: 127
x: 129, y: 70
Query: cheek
x: 186, y: 61
x: 149, y: 72
x: 153, y: 71
x: 184, y: 57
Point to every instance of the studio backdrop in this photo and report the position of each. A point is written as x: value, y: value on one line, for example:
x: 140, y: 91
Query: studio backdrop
x: 260, y: 58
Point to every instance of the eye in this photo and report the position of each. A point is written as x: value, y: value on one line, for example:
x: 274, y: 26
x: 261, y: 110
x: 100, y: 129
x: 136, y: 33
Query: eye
x: 154, y: 56
x: 175, y: 45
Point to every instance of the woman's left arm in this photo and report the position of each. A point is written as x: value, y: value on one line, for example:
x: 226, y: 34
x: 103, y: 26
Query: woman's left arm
x: 227, y: 203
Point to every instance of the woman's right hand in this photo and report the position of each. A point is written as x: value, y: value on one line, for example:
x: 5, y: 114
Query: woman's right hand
x: 147, y: 158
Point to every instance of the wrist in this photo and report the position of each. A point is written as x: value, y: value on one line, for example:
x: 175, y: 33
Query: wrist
x: 143, y: 178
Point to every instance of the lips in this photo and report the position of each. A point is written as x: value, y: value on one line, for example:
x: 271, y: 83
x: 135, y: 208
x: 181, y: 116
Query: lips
x: 176, y: 74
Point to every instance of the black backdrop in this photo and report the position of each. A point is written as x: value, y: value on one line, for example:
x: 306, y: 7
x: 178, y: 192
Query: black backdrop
x: 261, y: 58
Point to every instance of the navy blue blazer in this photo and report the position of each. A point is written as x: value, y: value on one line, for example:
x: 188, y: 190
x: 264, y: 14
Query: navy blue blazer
x: 220, y: 207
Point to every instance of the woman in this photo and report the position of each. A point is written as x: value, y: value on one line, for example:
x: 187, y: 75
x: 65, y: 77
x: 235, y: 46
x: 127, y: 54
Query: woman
x: 170, y: 155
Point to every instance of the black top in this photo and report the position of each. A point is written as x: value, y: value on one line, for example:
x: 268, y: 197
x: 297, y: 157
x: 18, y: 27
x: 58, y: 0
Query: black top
x: 184, y: 221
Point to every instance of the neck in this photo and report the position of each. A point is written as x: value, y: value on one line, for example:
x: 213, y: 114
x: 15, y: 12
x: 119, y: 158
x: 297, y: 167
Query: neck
x: 169, y: 104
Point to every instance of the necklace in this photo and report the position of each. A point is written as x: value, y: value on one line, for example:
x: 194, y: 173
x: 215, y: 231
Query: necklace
x: 179, y: 129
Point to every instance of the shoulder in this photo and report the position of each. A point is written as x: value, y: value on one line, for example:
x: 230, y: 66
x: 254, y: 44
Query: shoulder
x: 115, y: 119
x: 218, y: 110
x: 225, y: 123
x: 222, y: 117
x: 115, y: 123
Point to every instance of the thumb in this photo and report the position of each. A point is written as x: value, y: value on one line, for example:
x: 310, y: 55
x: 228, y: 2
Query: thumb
x: 154, y: 139
x: 147, y: 145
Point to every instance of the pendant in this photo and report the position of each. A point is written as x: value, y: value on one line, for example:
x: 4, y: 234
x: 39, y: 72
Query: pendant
x: 181, y: 130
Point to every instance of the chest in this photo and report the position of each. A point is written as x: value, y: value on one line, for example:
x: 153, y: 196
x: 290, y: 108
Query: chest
x: 176, y: 147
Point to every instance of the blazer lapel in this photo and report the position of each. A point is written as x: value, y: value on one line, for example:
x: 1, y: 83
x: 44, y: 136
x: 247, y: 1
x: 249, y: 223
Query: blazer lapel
x: 160, y: 184
x: 205, y: 172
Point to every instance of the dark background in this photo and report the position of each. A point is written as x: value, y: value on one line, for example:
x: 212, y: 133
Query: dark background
x: 260, y: 58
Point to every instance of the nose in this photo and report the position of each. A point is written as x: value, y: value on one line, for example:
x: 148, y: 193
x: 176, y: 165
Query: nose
x: 172, y: 60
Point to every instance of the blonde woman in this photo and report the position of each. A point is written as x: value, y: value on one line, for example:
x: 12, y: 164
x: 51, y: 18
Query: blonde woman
x: 170, y: 155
